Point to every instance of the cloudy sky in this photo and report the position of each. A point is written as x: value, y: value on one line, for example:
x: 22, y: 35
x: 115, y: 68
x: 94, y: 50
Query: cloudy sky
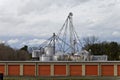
x: 30, y: 22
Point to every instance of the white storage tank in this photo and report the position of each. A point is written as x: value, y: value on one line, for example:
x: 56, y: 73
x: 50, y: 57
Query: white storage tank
x: 60, y: 55
x: 44, y: 58
x: 49, y: 51
x: 41, y: 51
x: 55, y: 58
x: 35, y: 53
x: 84, y: 55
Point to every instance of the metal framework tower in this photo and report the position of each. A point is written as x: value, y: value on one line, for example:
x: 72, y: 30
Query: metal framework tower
x: 66, y: 40
x: 69, y: 35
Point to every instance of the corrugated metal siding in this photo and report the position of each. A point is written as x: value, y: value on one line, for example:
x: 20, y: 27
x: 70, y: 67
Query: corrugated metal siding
x: 107, y: 70
x: 44, y: 70
x: 75, y: 70
x: 91, y: 70
x: 13, y: 70
x: 60, y: 70
x: 29, y: 70
x: 2, y: 69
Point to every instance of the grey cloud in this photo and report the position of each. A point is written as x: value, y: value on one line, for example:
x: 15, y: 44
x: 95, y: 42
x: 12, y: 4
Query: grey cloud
x: 34, y: 6
x: 44, y: 6
x: 34, y: 19
x: 11, y: 20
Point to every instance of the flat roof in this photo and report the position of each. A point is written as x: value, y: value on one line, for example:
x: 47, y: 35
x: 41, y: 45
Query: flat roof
x: 59, y: 61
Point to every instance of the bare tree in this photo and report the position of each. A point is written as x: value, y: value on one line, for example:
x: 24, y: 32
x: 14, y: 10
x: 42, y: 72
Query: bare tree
x: 8, y: 53
x: 89, y: 41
